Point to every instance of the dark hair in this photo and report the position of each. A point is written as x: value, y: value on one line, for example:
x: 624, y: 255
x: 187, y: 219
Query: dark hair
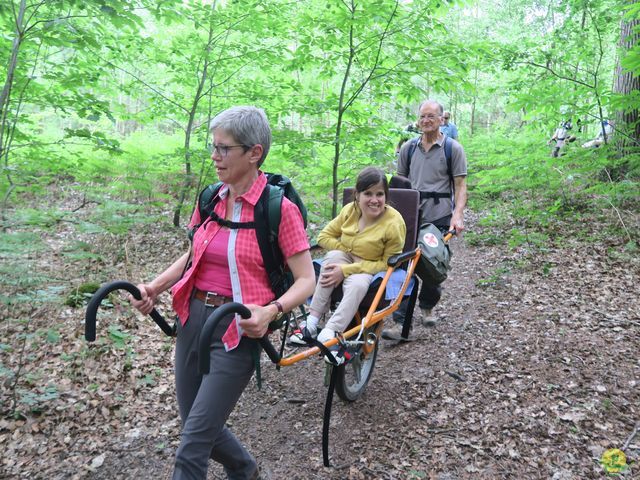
x: 369, y: 177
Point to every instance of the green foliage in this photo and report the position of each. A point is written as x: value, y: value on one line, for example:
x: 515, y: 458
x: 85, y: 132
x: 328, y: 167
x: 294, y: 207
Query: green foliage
x: 114, y: 98
x: 514, y: 179
x: 629, y: 253
x: 81, y: 250
x: 119, y: 338
x: 52, y: 51
x: 496, y: 279
x: 36, y: 398
x: 118, y: 217
x: 20, y: 275
x: 37, y: 217
x: 80, y: 295
x: 20, y: 243
x: 148, y: 380
x: 52, y: 336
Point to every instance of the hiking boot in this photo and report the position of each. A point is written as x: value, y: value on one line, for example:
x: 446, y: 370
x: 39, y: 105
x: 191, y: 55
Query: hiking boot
x: 395, y: 333
x: 427, y: 319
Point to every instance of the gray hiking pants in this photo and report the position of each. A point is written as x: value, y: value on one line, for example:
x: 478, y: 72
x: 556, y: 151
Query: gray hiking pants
x: 206, y: 401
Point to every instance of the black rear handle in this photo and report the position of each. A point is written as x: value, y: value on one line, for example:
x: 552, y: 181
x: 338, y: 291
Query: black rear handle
x: 101, y: 294
x: 212, y: 322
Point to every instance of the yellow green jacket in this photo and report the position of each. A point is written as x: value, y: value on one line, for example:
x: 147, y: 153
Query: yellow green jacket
x: 374, y: 245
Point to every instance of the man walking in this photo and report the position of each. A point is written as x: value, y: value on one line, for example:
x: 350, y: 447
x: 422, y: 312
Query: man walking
x: 424, y: 162
x: 447, y: 127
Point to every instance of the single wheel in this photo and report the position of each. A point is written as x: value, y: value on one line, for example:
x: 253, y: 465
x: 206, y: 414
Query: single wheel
x: 352, y: 378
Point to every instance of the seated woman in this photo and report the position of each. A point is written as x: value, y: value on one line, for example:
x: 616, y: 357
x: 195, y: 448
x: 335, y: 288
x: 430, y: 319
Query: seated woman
x: 360, y: 240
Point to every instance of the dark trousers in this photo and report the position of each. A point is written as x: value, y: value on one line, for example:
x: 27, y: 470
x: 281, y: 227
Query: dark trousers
x: 206, y: 401
x: 428, y: 297
x: 430, y: 294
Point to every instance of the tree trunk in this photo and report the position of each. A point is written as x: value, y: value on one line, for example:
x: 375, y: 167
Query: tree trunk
x: 5, y: 95
x: 473, y: 103
x: 625, y: 83
x: 188, y: 182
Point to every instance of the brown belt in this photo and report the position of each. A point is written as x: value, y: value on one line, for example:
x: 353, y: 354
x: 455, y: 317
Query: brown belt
x: 211, y: 299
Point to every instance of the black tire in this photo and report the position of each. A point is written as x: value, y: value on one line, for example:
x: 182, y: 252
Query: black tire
x: 352, y: 378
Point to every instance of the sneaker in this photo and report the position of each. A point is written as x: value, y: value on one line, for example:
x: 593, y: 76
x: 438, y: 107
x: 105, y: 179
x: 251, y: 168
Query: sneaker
x: 297, y: 338
x: 427, y: 319
x: 339, y: 357
x: 326, y: 334
x: 395, y: 333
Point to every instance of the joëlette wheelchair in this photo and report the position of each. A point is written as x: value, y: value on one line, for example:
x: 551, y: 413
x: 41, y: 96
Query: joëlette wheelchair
x: 360, y: 339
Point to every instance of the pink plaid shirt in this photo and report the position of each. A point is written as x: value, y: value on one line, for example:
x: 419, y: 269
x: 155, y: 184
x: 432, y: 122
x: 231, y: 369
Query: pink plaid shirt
x: 249, y: 280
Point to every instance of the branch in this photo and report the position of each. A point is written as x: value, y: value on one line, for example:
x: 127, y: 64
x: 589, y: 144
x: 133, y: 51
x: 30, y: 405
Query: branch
x: 35, y: 10
x: 28, y: 30
x: 631, y: 437
x: 364, y: 83
x: 223, y: 81
x: 556, y: 74
x: 12, y: 129
x: 138, y: 79
x: 213, y: 39
x: 619, y: 216
x: 21, y: 363
x: 13, y: 62
x: 595, y: 26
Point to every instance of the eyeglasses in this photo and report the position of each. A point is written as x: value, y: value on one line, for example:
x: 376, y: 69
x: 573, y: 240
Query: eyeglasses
x: 223, y: 150
x: 446, y: 118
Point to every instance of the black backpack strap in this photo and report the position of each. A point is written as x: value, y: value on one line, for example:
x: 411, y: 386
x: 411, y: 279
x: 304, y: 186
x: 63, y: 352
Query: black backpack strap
x: 413, y: 144
x: 207, y: 201
x: 435, y: 195
x: 228, y: 223
x: 448, y: 155
x: 266, y: 216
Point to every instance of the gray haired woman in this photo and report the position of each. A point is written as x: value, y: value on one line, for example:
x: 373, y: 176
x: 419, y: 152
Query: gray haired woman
x: 224, y: 265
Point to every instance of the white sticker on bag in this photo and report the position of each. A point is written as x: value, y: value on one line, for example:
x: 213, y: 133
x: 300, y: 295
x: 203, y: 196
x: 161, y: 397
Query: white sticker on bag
x: 430, y: 240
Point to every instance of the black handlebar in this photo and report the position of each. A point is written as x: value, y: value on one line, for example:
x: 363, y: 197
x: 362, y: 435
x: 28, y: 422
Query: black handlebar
x: 212, y: 322
x: 400, y: 258
x: 101, y: 294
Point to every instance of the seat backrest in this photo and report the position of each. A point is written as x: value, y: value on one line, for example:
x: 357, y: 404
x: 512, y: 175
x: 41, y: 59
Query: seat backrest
x: 407, y: 202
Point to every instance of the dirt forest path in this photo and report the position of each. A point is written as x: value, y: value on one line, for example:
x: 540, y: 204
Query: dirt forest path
x: 531, y: 373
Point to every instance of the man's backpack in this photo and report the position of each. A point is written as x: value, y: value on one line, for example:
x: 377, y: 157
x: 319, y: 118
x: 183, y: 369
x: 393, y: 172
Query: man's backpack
x: 266, y: 223
x: 413, y: 144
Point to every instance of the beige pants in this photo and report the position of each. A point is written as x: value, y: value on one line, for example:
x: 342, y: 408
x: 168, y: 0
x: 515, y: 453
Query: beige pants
x: 354, y: 288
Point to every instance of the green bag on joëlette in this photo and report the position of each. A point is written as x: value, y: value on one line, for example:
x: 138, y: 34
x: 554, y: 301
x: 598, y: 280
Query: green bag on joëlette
x: 435, y: 260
